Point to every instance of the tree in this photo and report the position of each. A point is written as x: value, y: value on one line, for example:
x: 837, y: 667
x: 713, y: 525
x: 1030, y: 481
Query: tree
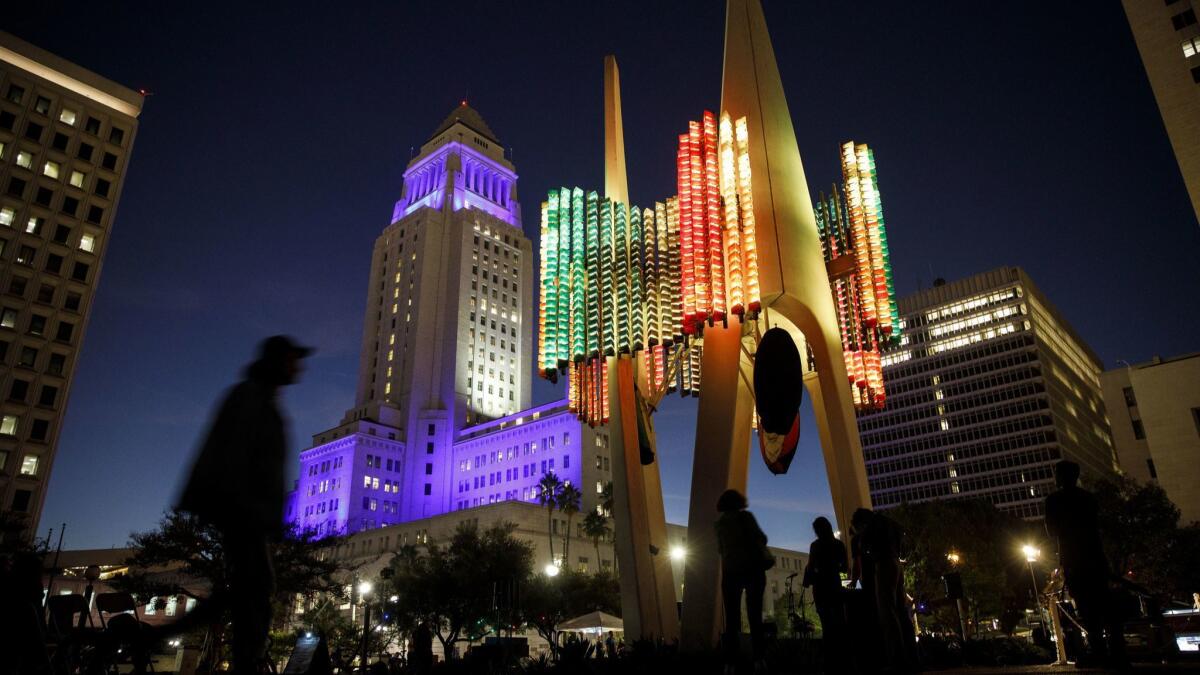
x: 596, y: 527
x: 988, y: 543
x: 441, y: 587
x: 1142, y: 538
x: 184, y: 556
x: 548, y: 488
x: 569, y: 498
x: 549, y: 601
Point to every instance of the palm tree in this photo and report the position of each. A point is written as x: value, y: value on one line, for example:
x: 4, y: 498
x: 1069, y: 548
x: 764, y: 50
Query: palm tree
x: 595, y: 526
x: 569, y: 497
x: 606, y: 499
x: 548, y: 488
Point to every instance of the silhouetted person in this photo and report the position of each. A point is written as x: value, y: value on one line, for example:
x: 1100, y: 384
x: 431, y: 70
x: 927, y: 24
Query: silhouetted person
x: 610, y: 644
x: 744, y: 564
x: 420, y: 653
x: 237, y: 486
x: 826, y: 563
x: 879, y: 539
x: 1072, y: 521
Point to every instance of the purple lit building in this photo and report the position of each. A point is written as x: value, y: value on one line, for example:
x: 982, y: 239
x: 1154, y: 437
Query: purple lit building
x: 442, y: 419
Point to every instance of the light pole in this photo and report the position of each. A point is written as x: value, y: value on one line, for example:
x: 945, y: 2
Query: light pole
x: 364, y: 589
x: 1032, y: 553
x: 955, y: 559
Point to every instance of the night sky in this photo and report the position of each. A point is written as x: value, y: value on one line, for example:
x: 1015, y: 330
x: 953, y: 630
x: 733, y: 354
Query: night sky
x: 271, y: 152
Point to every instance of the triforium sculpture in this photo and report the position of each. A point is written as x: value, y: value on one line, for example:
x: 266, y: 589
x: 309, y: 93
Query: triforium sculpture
x: 638, y: 302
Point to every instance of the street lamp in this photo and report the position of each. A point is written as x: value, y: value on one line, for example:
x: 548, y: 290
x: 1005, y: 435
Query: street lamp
x: 678, y: 553
x: 551, y: 570
x: 364, y: 589
x: 1032, y: 553
x: 954, y: 558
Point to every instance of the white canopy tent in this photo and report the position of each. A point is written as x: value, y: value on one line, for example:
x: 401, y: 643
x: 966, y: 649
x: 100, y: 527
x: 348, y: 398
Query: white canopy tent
x: 593, y: 622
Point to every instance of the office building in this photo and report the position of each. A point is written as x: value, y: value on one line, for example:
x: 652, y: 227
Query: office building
x: 988, y: 388
x: 65, y: 140
x: 1168, y: 38
x: 1154, y: 408
x: 442, y: 420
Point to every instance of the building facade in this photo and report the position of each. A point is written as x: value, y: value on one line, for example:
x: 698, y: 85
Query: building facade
x: 1155, y: 412
x: 442, y: 420
x: 988, y: 388
x: 1168, y: 38
x: 65, y: 139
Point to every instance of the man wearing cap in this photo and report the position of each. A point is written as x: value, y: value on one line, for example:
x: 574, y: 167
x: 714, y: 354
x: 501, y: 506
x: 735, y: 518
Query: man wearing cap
x: 237, y: 486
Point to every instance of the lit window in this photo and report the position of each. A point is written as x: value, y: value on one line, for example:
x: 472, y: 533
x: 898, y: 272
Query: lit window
x: 366, y: 481
x: 51, y: 169
x: 7, y: 216
x: 67, y: 116
x: 77, y: 178
x: 87, y: 243
x: 29, y: 465
x: 24, y: 159
x: 8, y: 424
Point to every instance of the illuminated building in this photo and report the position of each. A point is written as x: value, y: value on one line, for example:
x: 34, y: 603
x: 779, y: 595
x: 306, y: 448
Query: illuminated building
x: 988, y: 387
x: 65, y: 139
x: 442, y: 419
x: 1154, y: 409
x: 1168, y: 39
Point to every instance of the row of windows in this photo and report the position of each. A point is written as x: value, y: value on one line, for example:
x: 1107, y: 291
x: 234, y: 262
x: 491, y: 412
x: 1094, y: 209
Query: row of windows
x: 321, y: 487
x: 328, y: 505
x: 966, y: 419
x: 1000, y: 498
x: 29, y: 356
x: 327, y: 465
x: 10, y: 425
x: 962, y: 452
x: 943, y: 405
x: 956, y: 437
x: 43, y: 102
x: 976, y: 360
x: 963, y: 469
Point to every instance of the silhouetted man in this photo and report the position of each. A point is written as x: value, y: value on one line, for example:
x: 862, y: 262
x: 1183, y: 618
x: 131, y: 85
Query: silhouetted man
x: 1072, y: 522
x: 237, y: 486
x: 823, y: 573
x: 880, y: 542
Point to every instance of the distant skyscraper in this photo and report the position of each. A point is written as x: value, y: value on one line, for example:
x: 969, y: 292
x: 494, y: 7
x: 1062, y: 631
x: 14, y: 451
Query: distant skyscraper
x: 987, y: 389
x: 1155, y: 412
x: 65, y: 138
x: 1168, y: 38
x: 442, y: 419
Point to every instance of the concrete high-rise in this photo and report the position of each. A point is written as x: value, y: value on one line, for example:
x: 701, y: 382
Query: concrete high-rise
x: 65, y: 139
x: 1155, y: 412
x: 1168, y: 37
x: 988, y: 388
x: 442, y: 420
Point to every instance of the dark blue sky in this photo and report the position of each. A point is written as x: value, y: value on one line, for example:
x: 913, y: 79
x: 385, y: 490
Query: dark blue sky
x: 269, y: 156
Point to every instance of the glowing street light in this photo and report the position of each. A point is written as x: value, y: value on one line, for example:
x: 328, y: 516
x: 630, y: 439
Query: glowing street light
x: 365, y: 588
x: 954, y: 558
x: 551, y: 570
x: 1031, y: 553
x: 678, y: 553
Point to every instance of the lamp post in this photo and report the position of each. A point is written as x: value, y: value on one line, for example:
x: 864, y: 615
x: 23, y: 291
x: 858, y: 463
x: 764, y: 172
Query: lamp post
x: 364, y: 589
x: 1032, y: 553
x: 955, y: 559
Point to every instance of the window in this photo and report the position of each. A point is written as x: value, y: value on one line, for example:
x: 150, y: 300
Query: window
x: 57, y: 364
x: 43, y: 196
x: 45, y: 294
x: 42, y: 105
x: 1196, y: 74
x: 1196, y: 419
x: 15, y: 93
x: 428, y: 489
x: 33, y: 131
x: 116, y: 136
x: 18, y: 390
x: 1130, y: 399
x: 7, y: 119
x: 9, y: 424
x: 1151, y: 469
x: 428, y: 469
x: 431, y: 430
x: 1183, y: 19
x: 78, y: 178
x: 29, y: 465
x: 16, y: 187
x: 73, y: 301
x: 1191, y: 46
x: 51, y: 169
x: 8, y: 318
x: 95, y: 214
x: 25, y: 160
x: 70, y: 206
x: 80, y: 273
x: 109, y: 161
x: 37, y: 325
x: 59, y: 141
x: 92, y: 126
x: 54, y: 263
x: 1139, y: 432
x: 65, y: 331
x: 67, y: 116
x: 28, y: 357
x: 7, y: 216
x: 16, y: 286
x: 39, y: 430
x: 84, y: 152
x: 21, y: 499
x: 429, y: 448
x: 102, y: 187
x: 88, y: 243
